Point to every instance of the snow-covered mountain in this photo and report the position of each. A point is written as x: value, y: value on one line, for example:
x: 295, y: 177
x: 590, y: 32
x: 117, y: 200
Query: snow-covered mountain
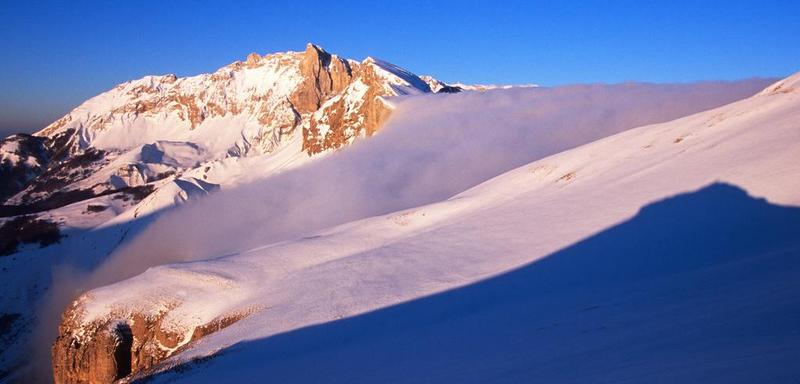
x: 146, y: 145
x: 169, y: 138
x: 312, y: 100
x: 663, y: 253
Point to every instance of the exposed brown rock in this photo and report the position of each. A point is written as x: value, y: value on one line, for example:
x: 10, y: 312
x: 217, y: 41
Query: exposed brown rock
x: 253, y: 60
x: 55, y: 126
x: 363, y: 117
x: 107, y: 350
x: 104, y: 360
x: 217, y: 325
x: 192, y: 110
x: 374, y: 109
x: 323, y: 74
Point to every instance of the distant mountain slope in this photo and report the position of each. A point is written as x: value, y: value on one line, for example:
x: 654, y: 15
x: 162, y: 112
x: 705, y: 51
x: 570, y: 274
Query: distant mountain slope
x: 660, y: 253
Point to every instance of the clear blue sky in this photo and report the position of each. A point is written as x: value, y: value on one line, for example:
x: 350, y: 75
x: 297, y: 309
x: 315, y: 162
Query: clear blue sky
x: 57, y: 54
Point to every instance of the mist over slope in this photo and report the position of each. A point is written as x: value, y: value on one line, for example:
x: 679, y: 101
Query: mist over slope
x: 431, y: 148
x: 669, y: 250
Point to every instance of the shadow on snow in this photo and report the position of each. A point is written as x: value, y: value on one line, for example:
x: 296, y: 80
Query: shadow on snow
x: 700, y: 287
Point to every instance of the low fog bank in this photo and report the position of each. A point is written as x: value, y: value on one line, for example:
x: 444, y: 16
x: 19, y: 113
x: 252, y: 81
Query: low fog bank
x: 433, y: 147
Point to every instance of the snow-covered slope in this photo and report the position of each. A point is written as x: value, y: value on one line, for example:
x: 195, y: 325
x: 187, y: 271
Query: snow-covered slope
x: 438, y: 86
x: 664, y: 253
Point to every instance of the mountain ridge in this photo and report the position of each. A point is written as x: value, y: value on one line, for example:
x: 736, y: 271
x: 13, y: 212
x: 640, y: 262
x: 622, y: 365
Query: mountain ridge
x: 246, y: 108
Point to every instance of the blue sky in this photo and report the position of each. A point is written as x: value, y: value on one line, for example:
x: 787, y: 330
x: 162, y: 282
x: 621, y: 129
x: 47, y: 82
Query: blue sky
x: 57, y: 54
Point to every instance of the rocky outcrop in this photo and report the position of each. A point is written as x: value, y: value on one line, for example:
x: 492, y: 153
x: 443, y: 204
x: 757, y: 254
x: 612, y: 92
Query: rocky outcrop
x: 107, y: 358
x: 359, y: 111
x: 323, y: 74
x: 120, y: 344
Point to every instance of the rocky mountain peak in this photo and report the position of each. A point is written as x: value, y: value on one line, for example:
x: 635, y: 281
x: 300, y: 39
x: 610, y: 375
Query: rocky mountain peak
x: 323, y: 74
x: 248, y: 108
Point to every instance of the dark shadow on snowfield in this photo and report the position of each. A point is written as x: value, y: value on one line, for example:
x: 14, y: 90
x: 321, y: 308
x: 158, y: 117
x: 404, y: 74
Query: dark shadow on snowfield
x: 699, y: 287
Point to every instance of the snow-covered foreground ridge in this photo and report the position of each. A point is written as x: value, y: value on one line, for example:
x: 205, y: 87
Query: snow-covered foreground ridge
x: 663, y: 253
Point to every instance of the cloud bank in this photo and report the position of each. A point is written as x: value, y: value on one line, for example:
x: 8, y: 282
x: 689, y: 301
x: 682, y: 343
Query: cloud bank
x: 433, y: 147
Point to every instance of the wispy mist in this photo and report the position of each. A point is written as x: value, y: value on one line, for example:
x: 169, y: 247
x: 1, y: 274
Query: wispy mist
x: 433, y: 147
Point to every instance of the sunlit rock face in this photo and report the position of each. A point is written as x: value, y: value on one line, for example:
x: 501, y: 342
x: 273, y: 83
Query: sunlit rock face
x: 115, y: 346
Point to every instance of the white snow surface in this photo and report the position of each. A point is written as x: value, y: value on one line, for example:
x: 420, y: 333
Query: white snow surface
x: 103, y: 122
x: 397, y: 80
x: 525, y: 276
x: 489, y: 87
